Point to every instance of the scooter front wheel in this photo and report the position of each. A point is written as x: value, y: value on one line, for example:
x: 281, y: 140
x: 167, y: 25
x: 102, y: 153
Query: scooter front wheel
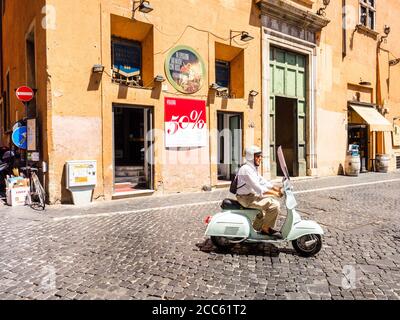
x: 308, y: 245
x: 224, y: 243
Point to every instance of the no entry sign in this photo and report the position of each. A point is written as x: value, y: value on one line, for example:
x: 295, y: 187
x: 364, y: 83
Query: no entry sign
x: 24, y: 94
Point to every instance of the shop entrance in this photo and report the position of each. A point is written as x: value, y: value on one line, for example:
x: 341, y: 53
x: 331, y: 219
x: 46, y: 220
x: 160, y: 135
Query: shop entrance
x: 288, y: 105
x: 358, y: 135
x: 230, y: 145
x: 286, y: 129
x: 133, y: 152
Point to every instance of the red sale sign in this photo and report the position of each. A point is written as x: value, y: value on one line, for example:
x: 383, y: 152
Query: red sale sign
x: 185, y: 123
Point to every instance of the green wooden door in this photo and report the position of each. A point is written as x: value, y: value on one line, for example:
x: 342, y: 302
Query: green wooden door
x: 288, y: 79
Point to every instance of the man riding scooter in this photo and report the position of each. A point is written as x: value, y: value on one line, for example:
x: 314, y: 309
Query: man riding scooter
x: 255, y: 192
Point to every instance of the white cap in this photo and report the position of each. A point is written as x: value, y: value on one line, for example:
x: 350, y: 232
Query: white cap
x: 251, y: 151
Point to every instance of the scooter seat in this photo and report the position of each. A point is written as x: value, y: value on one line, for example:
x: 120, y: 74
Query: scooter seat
x: 230, y: 204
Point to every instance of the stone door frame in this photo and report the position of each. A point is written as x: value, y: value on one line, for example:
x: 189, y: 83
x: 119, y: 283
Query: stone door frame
x: 273, y: 38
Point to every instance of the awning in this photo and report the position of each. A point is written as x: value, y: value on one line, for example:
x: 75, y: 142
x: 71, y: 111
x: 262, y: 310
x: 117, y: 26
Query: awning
x: 376, y: 121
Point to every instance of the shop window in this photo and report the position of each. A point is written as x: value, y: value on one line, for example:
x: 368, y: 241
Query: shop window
x: 132, y: 52
x: 229, y: 69
x: 368, y: 13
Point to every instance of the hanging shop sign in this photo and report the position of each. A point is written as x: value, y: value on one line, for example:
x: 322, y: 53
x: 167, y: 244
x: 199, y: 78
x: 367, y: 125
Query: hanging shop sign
x: 185, y: 69
x: 396, y: 136
x: 19, y: 137
x: 185, y: 123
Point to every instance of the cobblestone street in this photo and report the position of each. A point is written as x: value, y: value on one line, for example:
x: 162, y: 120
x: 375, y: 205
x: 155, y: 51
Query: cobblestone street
x: 154, y: 248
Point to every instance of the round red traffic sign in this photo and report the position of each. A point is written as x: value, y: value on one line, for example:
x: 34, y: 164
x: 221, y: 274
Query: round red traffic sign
x: 24, y: 94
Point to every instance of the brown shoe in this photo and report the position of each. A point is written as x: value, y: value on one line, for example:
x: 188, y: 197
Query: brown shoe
x: 275, y: 233
x: 271, y: 233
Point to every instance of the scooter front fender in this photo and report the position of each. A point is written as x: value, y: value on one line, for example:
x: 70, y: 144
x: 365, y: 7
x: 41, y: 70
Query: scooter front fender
x: 303, y: 228
x: 228, y: 224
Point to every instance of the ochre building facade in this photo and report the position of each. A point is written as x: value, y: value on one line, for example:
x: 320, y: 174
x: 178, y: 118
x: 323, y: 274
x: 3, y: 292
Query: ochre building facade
x: 165, y: 95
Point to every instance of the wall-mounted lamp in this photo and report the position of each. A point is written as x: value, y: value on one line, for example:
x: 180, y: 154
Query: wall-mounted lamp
x: 144, y: 6
x: 364, y: 83
x: 386, y: 30
x: 159, y: 78
x: 244, y: 36
x: 394, y: 62
x: 98, y: 68
x: 321, y: 11
x: 218, y: 88
x: 254, y: 93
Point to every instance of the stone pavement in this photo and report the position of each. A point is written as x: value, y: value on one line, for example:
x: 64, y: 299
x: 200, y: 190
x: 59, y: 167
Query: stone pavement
x: 154, y: 248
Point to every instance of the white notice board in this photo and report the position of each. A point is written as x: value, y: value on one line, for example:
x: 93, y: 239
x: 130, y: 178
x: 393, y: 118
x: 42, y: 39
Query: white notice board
x: 81, y: 173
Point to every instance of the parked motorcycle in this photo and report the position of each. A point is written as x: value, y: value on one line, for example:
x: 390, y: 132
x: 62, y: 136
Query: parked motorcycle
x: 234, y: 224
x: 6, y: 165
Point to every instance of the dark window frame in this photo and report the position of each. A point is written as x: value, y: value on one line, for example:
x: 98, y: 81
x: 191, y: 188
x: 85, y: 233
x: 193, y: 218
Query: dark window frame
x: 368, y: 6
x: 134, y: 80
x: 223, y: 65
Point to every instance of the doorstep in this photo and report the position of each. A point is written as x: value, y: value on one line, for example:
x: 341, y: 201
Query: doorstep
x: 131, y: 194
x: 304, y: 178
x: 223, y: 184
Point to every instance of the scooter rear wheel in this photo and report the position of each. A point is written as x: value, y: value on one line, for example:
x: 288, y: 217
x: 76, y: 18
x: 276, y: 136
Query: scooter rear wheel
x: 308, y: 250
x: 224, y: 243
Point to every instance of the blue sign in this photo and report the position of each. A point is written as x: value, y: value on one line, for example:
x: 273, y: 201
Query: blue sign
x: 127, y: 57
x: 19, y: 137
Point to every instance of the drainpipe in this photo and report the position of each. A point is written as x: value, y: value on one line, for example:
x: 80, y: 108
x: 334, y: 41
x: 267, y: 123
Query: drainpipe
x: 344, y: 30
x: 1, y: 53
x: 1, y: 70
x: 102, y: 103
x: 265, y: 126
x: 210, y: 149
x: 379, y: 136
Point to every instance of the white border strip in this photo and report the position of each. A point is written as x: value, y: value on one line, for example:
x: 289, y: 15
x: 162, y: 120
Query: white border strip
x: 347, y: 186
x: 110, y: 214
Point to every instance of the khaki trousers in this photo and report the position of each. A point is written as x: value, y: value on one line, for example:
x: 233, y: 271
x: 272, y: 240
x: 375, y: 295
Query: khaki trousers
x: 268, y: 206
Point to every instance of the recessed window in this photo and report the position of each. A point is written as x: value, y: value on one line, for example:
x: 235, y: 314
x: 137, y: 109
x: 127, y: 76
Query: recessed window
x: 368, y: 13
x: 127, y: 61
x: 229, y: 69
x: 223, y: 73
x: 132, y: 52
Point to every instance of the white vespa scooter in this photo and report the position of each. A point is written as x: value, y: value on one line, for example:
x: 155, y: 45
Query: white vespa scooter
x: 234, y: 224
